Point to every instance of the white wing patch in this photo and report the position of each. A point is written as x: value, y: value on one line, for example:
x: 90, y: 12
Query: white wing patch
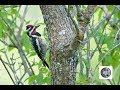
x: 37, y: 42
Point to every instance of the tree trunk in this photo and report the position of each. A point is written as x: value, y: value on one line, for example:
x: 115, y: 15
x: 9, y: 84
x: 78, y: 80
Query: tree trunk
x: 63, y: 44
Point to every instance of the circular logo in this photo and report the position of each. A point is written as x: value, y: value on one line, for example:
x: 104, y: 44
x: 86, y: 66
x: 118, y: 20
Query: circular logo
x: 105, y: 72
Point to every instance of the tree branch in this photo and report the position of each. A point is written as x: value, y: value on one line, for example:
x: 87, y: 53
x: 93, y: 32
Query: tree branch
x: 7, y: 44
x: 22, y: 22
x: 7, y: 70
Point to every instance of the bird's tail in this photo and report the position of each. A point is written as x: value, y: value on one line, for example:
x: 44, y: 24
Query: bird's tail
x: 43, y: 60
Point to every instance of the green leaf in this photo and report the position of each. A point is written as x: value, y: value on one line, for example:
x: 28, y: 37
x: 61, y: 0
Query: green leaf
x: 39, y: 64
x: 100, y: 14
x: 26, y: 42
x: 27, y: 22
x: 101, y: 56
x: 47, y: 80
x: 42, y: 23
x: 116, y: 15
x: 102, y: 39
x: 1, y: 33
x: 32, y: 54
x: 32, y: 79
x: 98, y: 82
x: 109, y: 41
x: 14, y: 11
x: 43, y: 76
x: 2, y: 29
x: 43, y: 70
x: 3, y: 14
x: 116, y: 58
x: 82, y: 80
x: 108, y: 60
x: 10, y: 48
x: 2, y: 50
x: 86, y: 62
x: 26, y: 79
x: 40, y: 79
x: 110, y: 7
x: 116, y: 76
x: 36, y: 22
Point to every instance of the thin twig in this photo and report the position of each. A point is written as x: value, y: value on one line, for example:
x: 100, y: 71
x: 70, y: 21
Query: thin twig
x: 7, y: 70
x: 7, y: 43
x: 88, y: 54
x: 21, y: 78
x: 22, y: 22
x: 103, y: 31
x: 118, y: 80
x: 104, y: 8
x: 14, y: 71
x: 8, y: 60
x: 80, y: 55
x: 13, y: 22
x: 8, y: 63
x: 117, y: 6
x: 113, y: 81
x: 116, y: 36
x: 110, y: 81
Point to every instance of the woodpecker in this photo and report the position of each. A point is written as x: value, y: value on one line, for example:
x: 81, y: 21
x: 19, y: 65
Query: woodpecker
x: 39, y: 44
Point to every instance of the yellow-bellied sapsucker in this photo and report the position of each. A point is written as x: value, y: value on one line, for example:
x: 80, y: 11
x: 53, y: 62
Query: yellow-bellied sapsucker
x: 39, y: 44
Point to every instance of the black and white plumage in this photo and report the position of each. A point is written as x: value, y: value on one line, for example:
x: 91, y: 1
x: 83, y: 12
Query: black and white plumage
x: 39, y: 44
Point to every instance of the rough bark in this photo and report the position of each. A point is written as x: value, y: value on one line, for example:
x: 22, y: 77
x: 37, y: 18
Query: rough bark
x: 63, y: 44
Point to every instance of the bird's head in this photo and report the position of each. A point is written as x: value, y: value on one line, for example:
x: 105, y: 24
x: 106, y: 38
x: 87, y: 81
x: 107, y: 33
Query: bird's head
x: 31, y: 30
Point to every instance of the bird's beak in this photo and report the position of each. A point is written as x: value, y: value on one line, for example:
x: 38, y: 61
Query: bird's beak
x: 37, y: 26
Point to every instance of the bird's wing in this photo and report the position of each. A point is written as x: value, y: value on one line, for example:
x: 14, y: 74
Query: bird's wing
x: 42, y: 44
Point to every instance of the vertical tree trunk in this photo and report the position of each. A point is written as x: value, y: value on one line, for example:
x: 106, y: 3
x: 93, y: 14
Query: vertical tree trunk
x: 63, y: 44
